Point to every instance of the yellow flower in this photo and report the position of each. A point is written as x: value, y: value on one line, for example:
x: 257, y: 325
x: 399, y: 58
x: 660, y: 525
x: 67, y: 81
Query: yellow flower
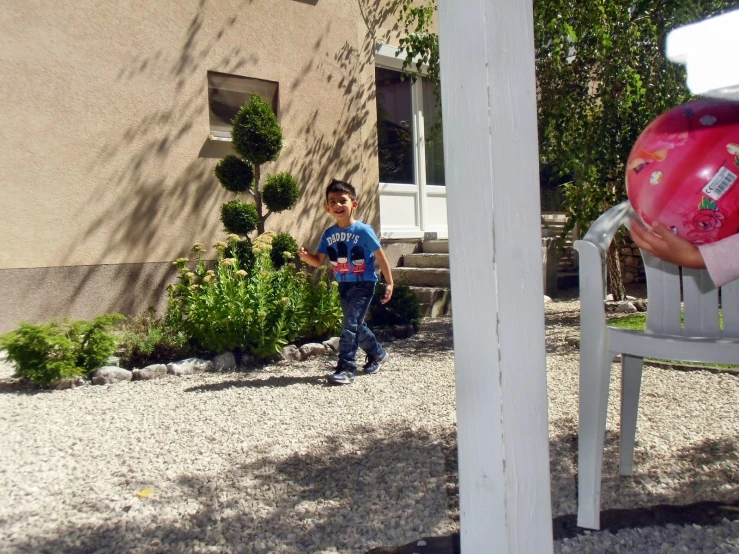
x: 227, y: 262
x: 190, y: 275
x: 194, y: 287
x: 241, y: 273
x: 262, y: 315
x: 198, y: 247
x: 208, y: 278
x: 232, y: 238
x: 180, y: 262
x: 287, y: 255
x: 285, y: 300
x: 220, y: 246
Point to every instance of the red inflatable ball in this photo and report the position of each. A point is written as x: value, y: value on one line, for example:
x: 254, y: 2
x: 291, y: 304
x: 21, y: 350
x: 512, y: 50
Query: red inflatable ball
x: 683, y: 171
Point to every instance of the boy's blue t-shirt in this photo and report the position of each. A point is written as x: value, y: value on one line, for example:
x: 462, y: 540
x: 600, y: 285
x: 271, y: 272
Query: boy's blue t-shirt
x: 350, y: 251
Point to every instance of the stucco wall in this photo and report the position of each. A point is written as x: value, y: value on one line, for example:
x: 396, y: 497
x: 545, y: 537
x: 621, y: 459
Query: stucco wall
x: 104, y: 125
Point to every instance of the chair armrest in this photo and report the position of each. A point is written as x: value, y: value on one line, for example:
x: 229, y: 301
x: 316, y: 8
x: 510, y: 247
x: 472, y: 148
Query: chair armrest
x: 592, y: 250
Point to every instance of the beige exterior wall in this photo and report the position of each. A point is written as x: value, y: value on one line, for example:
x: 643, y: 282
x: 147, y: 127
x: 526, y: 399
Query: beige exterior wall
x: 107, y: 166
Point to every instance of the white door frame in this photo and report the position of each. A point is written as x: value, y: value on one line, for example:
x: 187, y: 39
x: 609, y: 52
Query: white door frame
x: 387, y: 57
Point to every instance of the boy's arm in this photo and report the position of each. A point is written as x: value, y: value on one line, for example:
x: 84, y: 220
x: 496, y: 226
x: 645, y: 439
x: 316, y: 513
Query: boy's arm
x: 387, y: 273
x: 314, y: 260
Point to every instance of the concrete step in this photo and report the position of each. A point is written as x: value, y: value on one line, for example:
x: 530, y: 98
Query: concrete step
x: 435, y: 247
x: 568, y: 279
x: 434, y: 301
x: 426, y: 260
x: 421, y: 277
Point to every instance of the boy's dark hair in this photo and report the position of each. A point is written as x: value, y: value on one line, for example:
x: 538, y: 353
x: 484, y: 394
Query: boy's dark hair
x: 341, y: 186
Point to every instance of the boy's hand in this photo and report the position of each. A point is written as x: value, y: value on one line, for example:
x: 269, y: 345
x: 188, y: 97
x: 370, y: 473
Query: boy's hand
x: 667, y: 246
x: 302, y: 253
x: 388, y: 294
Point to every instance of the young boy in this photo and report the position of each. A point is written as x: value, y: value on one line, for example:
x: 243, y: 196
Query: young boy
x: 356, y: 277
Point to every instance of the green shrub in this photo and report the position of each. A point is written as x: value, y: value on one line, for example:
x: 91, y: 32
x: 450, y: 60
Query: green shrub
x: 242, y: 250
x: 239, y: 217
x: 147, y: 340
x: 44, y: 353
x: 321, y: 294
x: 280, y: 192
x: 284, y: 249
x: 257, y: 311
x: 402, y: 309
x: 235, y: 174
x: 256, y: 133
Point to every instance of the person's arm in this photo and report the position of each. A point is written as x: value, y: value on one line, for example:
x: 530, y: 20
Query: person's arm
x: 314, y: 260
x: 722, y: 259
x: 387, y: 273
x: 667, y: 246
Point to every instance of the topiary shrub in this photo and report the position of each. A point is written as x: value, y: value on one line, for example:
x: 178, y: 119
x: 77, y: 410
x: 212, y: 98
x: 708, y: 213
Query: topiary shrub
x: 281, y: 192
x: 235, y: 174
x: 257, y: 139
x: 256, y: 133
x: 403, y: 308
x: 239, y: 217
x: 282, y: 244
x: 44, y: 353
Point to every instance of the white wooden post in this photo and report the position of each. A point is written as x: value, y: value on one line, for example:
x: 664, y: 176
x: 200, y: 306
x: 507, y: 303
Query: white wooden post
x: 491, y: 148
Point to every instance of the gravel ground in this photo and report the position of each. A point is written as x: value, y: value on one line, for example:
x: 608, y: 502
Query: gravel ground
x: 275, y: 460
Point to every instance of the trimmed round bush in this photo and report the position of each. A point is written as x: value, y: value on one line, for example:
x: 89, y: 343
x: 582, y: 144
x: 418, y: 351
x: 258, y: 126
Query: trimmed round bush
x: 281, y: 243
x: 235, y: 174
x: 242, y: 251
x: 280, y: 192
x: 239, y: 217
x: 256, y: 134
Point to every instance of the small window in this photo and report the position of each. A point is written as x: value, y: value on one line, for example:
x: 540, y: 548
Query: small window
x: 226, y: 95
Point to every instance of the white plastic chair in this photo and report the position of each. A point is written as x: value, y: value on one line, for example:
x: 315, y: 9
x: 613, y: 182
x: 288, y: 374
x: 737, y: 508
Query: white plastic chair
x: 699, y: 340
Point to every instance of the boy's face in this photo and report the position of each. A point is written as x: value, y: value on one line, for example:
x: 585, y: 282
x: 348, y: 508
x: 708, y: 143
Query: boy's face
x: 340, y: 206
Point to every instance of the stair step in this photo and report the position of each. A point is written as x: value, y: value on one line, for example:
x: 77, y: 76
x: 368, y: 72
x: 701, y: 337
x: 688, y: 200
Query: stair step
x: 436, y: 247
x: 421, y: 277
x: 426, y: 260
x: 568, y: 280
x: 434, y: 301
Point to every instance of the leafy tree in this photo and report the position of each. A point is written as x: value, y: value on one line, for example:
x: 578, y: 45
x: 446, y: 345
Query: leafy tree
x: 257, y: 139
x: 602, y: 77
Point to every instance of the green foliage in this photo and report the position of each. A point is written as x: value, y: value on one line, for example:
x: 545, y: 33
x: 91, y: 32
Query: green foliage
x: 402, y: 309
x: 44, y: 353
x: 281, y: 192
x: 235, y: 174
x: 259, y: 311
x: 284, y: 249
x: 602, y: 78
x: 256, y: 133
x: 321, y: 293
x: 239, y: 217
x: 147, y: 340
x: 241, y: 249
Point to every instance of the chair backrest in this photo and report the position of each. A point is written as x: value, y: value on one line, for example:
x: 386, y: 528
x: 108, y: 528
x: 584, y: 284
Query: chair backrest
x: 695, y: 312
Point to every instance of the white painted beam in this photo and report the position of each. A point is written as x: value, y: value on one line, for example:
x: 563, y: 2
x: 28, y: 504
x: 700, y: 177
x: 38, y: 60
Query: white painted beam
x: 491, y: 149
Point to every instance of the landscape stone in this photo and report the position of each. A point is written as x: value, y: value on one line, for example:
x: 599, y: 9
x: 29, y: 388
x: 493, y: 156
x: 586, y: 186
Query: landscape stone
x: 155, y: 371
x: 312, y: 349
x: 110, y: 374
x: 332, y: 343
x: 291, y: 353
x: 190, y: 366
x: 224, y: 362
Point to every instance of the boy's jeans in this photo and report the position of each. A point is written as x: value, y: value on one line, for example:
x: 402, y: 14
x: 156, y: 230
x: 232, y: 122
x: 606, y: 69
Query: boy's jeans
x: 355, y: 300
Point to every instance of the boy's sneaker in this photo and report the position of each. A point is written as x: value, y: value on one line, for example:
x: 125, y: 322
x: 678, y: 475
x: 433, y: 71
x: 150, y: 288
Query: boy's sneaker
x: 373, y: 364
x: 341, y: 377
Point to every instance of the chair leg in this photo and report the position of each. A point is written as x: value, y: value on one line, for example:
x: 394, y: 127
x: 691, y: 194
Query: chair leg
x: 595, y: 373
x: 630, y: 384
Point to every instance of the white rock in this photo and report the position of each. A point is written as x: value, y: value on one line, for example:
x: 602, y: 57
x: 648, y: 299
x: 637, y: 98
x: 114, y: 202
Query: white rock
x: 107, y: 375
x: 312, y: 349
x: 189, y: 366
x: 224, y: 362
x: 69, y: 383
x: 155, y: 371
x: 547, y: 299
x: 625, y: 308
x: 421, y: 543
x: 332, y: 343
x: 291, y: 353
